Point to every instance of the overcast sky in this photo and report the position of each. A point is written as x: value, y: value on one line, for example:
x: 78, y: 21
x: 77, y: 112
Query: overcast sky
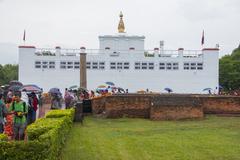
x: 75, y: 23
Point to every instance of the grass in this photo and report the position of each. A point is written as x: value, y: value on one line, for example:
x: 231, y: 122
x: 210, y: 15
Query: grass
x: 214, y: 138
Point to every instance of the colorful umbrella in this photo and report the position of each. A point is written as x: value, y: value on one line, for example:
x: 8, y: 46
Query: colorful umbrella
x: 102, y: 86
x: 101, y: 89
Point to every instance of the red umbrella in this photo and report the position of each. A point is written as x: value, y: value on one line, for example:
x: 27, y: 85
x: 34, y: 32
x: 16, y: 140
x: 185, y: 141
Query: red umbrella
x: 31, y: 88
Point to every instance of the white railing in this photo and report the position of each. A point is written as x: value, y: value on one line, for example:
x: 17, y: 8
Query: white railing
x: 112, y: 53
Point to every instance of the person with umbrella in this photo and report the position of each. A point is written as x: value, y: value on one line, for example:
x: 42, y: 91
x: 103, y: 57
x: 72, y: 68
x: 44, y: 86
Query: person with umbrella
x: 10, y: 94
x: 56, y: 98
x: 67, y: 98
x: 169, y: 90
x: 209, y: 90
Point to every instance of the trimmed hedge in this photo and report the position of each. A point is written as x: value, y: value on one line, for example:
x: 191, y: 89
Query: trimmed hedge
x: 3, y: 137
x: 59, y: 113
x: 45, y: 138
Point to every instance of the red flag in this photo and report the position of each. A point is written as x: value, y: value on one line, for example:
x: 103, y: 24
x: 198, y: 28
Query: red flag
x: 24, y: 36
x: 202, y: 38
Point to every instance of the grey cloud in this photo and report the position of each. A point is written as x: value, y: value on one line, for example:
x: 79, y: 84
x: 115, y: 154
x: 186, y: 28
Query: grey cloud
x: 208, y: 10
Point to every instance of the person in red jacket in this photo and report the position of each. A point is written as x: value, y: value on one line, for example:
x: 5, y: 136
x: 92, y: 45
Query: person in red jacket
x: 33, y: 107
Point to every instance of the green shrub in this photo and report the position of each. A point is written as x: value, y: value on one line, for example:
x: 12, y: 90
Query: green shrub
x: 59, y: 113
x: 20, y: 150
x: 42, y: 126
x: 45, y: 138
x: 3, y: 137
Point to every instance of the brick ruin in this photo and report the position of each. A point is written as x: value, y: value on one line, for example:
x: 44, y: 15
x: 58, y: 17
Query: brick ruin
x: 164, y: 106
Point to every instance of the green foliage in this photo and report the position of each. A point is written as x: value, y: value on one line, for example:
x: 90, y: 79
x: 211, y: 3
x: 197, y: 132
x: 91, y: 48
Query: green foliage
x: 3, y: 137
x: 229, y: 70
x: 42, y: 126
x: 45, y: 139
x: 59, y: 113
x: 32, y: 150
x: 8, y: 72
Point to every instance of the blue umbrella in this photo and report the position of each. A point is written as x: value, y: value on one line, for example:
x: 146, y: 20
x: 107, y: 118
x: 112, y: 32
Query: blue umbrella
x: 207, y: 89
x: 101, y: 89
x: 168, y: 90
x: 110, y: 83
x: 54, y: 90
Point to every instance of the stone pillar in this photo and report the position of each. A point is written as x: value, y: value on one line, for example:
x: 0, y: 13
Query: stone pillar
x: 180, y: 52
x: 58, y: 50
x: 83, y: 69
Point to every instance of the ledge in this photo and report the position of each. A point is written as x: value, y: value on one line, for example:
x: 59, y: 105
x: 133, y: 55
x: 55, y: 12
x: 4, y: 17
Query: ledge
x: 26, y: 47
x: 210, y: 49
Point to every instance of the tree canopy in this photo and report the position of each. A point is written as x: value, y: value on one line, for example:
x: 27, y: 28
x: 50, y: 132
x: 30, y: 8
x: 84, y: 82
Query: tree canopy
x: 229, y: 70
x: 8, y: 72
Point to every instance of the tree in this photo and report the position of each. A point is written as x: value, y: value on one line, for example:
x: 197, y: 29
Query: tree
x: 8, y: 72
x: 229, y: 70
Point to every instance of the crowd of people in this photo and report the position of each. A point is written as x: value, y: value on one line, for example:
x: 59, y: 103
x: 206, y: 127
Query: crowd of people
x: 17, y: 110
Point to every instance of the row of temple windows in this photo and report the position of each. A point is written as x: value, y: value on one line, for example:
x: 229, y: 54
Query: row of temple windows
x: 120, y: 65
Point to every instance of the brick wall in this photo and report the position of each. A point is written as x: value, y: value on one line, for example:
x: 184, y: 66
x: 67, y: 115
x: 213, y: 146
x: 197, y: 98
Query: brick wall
x: 128, y: 105
x: 175, y: 107
x: 221, y: 104
x: 164, y: 106
x: 98, y: 105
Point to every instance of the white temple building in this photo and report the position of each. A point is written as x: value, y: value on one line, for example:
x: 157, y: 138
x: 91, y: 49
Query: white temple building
x: 123, y: 60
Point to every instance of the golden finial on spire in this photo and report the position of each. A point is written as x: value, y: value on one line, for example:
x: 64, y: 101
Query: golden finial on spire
x: 121, y: 27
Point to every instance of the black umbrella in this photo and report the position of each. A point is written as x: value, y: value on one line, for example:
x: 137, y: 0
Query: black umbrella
x: 15, y: 88
x: 81, y: 89
x: 207, y: 89
x: 121, y: 90
x: 15, y: 83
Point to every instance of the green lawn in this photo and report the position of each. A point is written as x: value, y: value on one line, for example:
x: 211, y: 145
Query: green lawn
x: 214, y: 138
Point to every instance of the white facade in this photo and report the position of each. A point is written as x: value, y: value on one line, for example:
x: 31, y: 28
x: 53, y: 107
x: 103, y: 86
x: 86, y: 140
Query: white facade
x: 121, y: 42
x: 182, y: 71
x: 123, y: 60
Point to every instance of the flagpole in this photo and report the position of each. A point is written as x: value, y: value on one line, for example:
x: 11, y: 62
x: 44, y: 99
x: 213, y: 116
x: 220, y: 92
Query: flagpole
x: 203, y: 40
x: 24, y: 37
